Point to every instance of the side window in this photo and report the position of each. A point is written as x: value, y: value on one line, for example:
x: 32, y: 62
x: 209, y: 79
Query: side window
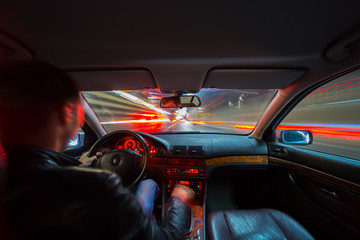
x: 77, y: 141
x: 332, y: 114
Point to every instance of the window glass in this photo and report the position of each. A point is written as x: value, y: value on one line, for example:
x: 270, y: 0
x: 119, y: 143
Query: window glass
x: 332, y: 114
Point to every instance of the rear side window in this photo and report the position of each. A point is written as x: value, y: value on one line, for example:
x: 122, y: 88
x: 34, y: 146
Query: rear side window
x: 332, y: 114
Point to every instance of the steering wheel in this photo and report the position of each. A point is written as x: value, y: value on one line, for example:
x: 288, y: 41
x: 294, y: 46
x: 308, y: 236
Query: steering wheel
x: 129, y: 165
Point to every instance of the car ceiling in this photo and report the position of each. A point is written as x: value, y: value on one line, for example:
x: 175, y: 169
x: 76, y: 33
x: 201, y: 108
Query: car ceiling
x: 178, y: 43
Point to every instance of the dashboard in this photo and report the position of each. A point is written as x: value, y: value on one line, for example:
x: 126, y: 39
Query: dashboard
x: 187, y: 145
x: 189, y: 159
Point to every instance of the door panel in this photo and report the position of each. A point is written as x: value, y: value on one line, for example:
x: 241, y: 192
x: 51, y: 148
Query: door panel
x: 340, y: 167
x: 321, y: 190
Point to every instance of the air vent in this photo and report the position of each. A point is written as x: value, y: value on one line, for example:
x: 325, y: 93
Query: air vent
x: 196, y: 150
x: 179, y: 150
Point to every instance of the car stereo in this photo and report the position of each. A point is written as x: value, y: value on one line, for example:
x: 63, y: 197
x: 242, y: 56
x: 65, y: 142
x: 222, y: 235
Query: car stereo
x: 195, y: 184
x: 185, y: 172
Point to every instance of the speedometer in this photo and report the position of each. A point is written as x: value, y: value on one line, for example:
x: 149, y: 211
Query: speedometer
x: 130, y: 144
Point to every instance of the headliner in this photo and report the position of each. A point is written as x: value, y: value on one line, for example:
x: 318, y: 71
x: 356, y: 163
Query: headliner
x: 182, y: 41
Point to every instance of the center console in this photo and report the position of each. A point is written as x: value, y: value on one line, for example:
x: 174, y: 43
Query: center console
x: 191, y: 177
x: 194, y: 184
x: 195, y: 178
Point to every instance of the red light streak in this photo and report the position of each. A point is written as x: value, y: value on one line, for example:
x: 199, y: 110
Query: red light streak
x: 335, y: 87
x: 323, y: 130
x: 213, y: 102
x: 348, y: 85
x: 198, y: 122
x: 351, y: 133
x: 204, y: 122
x: 342, y: 137
x: 354, y: 84
x: 334, y: 132
x: 137, y: 121
x: 142, y: 114
x: 2, y: 155
x: 244, y: 127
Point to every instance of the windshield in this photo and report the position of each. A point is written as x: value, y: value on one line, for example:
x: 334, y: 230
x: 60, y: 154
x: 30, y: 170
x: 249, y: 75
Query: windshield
x: 231, y: 111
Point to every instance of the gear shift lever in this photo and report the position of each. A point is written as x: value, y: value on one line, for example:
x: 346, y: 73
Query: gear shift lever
x: 189, y: 221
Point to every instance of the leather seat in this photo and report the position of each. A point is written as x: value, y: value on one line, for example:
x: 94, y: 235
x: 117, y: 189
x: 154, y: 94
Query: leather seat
x: 254, y: 224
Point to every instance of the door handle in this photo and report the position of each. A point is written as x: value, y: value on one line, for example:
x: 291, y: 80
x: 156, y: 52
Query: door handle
x: 330, y: 193
x: 277, y: 149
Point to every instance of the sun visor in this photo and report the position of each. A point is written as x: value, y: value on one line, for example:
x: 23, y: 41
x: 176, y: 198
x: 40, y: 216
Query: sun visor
x: 252, y: 78
x: 106, y: 80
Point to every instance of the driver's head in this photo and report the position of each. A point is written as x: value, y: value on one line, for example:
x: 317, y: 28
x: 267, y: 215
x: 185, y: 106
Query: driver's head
x: 38, y: 101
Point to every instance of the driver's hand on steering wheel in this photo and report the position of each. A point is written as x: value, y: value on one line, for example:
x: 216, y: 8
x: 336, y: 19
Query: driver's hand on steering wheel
x: 86, y: 161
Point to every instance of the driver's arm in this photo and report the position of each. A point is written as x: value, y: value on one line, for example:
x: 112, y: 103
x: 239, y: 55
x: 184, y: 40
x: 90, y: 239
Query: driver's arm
x: 125, y: 219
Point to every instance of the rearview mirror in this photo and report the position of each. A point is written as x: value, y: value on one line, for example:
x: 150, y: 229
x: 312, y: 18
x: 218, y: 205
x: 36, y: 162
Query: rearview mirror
x: 297, y: 137
x: 180, y: 101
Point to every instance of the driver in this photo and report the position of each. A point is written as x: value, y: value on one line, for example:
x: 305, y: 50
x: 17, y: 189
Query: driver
x: 47, y: 194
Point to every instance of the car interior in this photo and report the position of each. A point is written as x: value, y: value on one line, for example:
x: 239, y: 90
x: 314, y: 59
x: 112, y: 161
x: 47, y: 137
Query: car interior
x: 252, y: 104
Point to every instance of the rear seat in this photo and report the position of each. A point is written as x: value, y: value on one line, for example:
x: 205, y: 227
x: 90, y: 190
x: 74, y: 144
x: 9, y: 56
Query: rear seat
x: 254, y: 224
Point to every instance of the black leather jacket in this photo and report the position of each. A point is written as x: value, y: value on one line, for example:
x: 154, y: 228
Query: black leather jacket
x: 49, y: 197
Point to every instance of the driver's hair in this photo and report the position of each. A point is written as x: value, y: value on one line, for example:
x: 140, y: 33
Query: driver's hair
x: 29, y: 91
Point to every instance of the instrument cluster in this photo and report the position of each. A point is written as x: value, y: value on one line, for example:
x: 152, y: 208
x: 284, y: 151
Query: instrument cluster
x: 131, y: 143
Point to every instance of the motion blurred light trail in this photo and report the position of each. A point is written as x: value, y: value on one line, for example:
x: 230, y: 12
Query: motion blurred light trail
x: 244, y: 127
x: 141, y: 114
x: 212, y: 102
x: 304, y: 126
x: 137, y: 121
x: 204, y: 122
x: 140, y: 101
x: 351, y: 132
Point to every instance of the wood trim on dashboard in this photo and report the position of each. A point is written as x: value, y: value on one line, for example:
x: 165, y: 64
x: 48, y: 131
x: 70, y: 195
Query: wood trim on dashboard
x: 236, y: 159
x: 342, y: 182
x: 200, y: 162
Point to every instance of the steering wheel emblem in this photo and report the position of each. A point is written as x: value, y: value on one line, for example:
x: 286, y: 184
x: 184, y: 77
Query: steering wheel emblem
x: 117, y: 160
